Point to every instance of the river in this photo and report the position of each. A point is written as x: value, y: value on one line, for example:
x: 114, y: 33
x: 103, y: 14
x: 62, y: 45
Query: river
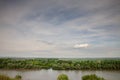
x: 52, y: 74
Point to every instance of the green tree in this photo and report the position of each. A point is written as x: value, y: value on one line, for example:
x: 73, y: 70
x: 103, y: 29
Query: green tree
x: 62, y: 77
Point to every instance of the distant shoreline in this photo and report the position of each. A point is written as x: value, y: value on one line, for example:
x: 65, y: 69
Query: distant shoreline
x: 60, y: 63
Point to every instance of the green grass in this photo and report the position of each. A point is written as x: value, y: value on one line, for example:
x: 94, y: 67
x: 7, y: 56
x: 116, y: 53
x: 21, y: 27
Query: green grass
x: 92, y: 77
x: 4, y: 77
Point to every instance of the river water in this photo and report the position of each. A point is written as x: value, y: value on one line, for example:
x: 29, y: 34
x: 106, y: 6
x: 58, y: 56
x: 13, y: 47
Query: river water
x: 52, y: 74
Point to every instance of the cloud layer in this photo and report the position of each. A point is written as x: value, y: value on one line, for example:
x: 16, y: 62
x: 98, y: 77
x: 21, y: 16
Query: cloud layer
x: 63, y: 28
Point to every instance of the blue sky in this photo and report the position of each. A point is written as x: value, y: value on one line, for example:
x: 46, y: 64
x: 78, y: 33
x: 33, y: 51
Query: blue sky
x: 60, y: 28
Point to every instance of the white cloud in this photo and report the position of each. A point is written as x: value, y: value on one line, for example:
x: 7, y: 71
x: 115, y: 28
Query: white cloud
x: 81, y: 45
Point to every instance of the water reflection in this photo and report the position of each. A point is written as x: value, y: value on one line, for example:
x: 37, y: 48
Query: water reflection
x: 52, y: 74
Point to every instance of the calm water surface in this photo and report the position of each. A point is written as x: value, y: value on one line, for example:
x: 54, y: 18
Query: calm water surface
x: 52, y: 74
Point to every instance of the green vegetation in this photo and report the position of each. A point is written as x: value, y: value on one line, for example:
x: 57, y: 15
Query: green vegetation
x: 86, y: 77
x: 4, y: 77
x: 92, y: 77
x: 62, y: 77
x: 60, y: 64
x: 18, y: 77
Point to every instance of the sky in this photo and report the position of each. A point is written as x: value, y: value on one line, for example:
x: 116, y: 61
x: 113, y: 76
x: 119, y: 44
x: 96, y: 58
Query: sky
x: 60, y: 28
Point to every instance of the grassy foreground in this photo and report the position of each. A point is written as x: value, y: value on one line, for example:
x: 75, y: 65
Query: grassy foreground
x: 60, y: 64
x: 4, y: 77
x: 60, y: 77
x: 85, y: 77
x: 92, y: 77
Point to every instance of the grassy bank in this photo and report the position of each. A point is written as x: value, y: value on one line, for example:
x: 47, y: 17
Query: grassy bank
x: 60, y: 77
x: 4, y: 77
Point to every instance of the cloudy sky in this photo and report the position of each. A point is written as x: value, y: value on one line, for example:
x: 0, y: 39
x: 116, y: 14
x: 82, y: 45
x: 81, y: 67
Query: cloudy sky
x: 60, y: 28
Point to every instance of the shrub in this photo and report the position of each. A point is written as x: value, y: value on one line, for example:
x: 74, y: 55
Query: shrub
x: 18, y: 77
x: 92, y: 77
x: 62, y: 77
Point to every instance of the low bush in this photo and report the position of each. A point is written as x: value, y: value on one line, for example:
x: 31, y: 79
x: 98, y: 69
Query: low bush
x: 92, y: 77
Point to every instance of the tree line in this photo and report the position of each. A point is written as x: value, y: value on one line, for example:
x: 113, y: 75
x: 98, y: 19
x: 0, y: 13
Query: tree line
x: 60, y: 64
